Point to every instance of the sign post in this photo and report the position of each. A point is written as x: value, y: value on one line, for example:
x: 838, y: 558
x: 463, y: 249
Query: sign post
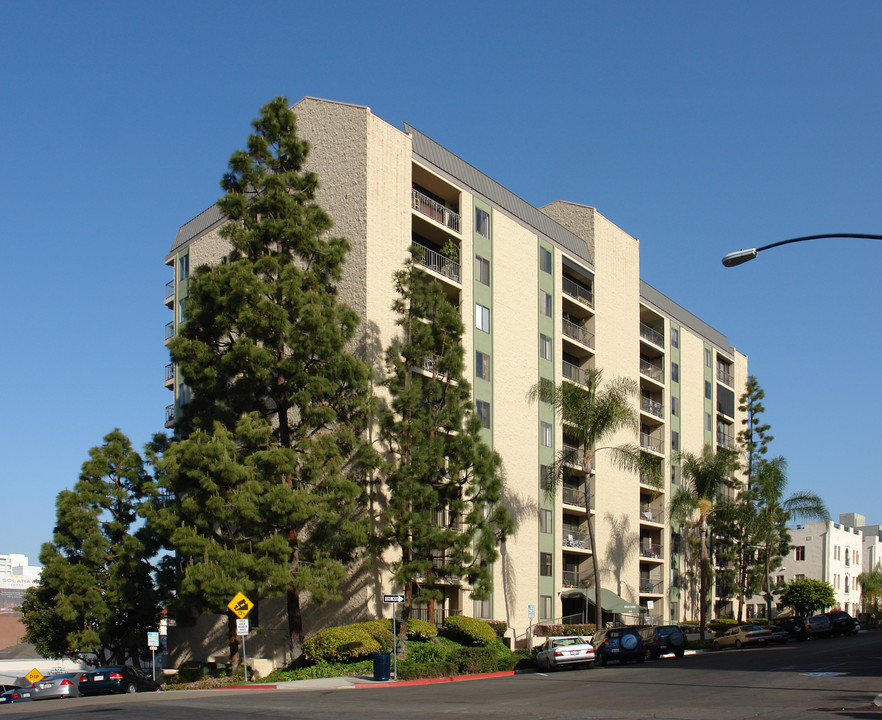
x: 395, y: 600
x: 240, y: 606
x: 153, y: 644
x: 531, y: 614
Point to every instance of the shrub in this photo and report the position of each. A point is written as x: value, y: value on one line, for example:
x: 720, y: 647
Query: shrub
x: 474, y: 660
x: 558, y: 630
x: 499, y: 627
x: 420, y: 671
x: 425, y: 652
x: 416, y: 629
x: 468, y: 631
x: 514, y: 661
x: 348, y: 642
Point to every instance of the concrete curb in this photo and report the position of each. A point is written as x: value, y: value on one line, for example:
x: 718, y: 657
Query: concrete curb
x: 430, y: 681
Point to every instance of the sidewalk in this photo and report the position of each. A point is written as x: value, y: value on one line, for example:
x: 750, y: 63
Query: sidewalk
x: 356, y: 682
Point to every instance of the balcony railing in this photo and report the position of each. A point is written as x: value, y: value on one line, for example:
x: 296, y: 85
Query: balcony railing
x: 652, y: 407
x: 430, y: 364
x: 170, y: 330
x: 651, y: 334
x: 652, y: 442
x: 577, y: 291
x: 577, y: 579
x: 724, y: 376
x: 651, y: 550
x: 652, y: 371
x: 573, y: 537
x: 169, y: 414
x: 573, y: 372
x: 578, y: 333
x: 169, y: 372
x: 650, y: 586
x: 652, y: 513
x: 435, y: 210
x: 574, y: 496
x: 422, y: 613
x: 169, y: 290
x: 725, y: 439
x: 438, y: 262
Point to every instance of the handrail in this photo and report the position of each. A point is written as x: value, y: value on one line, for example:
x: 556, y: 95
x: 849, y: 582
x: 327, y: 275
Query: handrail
x: 579, y: 292
x: 651, y: 334
x: 437, y: 262
x: 433, y: 209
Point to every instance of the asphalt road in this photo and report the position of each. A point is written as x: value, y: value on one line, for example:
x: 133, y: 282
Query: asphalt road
x: 835, y: 678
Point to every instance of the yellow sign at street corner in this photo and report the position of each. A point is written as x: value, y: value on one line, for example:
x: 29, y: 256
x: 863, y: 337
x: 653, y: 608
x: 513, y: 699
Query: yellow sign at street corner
x: 34, y: 676
x: 240, y: 605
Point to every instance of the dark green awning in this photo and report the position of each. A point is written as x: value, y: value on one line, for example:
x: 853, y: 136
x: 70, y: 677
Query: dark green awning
x: 609, y: 601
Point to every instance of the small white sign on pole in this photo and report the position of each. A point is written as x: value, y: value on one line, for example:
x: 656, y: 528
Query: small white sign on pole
x: 242, y: 627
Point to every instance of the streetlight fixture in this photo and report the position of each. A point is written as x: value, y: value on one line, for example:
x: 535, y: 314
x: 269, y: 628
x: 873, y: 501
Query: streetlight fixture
x: 742, y: 256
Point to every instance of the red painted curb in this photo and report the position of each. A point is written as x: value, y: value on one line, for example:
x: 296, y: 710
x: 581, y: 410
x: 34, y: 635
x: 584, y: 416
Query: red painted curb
x: 429, y: 681
x: 247, y: 687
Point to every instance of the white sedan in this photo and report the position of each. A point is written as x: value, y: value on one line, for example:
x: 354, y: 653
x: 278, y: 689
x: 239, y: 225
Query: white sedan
x: 566, y: 650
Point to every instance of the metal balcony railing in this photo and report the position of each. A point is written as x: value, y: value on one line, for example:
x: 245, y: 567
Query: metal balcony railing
x: 574, y: 496
x: 430, y: 364
x: 573, y: 537
x: 652, y: 442
x: 438, y: 262
x: 725, y: 439
x: 651, y: 550
x: 651, y: 334
x: 170, y: 330
x: 724, y: 376
x: 652, y: 371
x: 422, y: 613
x: 650, y: 586
x: 576, y: 579
x: 652, y: 513
x: 578, y: 333
x: 577, y: 291
x: 169, y: 414
x: 169, y: 290
x: 169, y: 372
x: 652, y: 407
x: 435, y: 210
x: 573, y: 372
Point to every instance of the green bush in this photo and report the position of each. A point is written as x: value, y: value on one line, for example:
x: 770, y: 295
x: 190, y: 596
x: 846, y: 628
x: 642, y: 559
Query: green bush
x: 499, y: 627
x: 559, y: 630
x: 416, y: 629
x: 322, y: 670
x: 421, y: 671
x: 468, y: 631
x: 514, y: 661
x: 348, y: 642
x: 474, y: 660
x: 425, y: 652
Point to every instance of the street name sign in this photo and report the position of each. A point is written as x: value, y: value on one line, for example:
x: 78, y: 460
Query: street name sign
x: 393, y: 598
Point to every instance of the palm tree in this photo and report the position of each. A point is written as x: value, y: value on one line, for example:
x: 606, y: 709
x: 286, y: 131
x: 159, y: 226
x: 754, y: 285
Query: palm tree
x: 705, y: 477
x: 871, y: 589
x: 592, y: 413
x: 774, y: 512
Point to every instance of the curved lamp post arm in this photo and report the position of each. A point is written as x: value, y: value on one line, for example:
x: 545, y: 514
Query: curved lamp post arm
x: 742, y: 256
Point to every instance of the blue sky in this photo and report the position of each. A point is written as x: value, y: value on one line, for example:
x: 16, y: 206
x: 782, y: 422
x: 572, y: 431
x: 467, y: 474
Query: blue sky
x: 699, y: 128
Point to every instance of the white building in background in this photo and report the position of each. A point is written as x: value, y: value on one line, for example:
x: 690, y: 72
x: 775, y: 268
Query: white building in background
x: 16, y: 576
x: 871, y: 556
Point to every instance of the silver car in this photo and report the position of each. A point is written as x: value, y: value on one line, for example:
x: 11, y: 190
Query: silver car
x: 61, y: 685
x: 565, y: 650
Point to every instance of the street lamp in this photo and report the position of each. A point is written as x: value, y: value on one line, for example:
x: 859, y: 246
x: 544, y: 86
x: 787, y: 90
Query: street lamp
x: 742, y: 256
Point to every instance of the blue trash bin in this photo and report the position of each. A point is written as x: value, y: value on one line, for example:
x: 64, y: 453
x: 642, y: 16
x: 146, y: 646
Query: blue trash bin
x: 382, y: 665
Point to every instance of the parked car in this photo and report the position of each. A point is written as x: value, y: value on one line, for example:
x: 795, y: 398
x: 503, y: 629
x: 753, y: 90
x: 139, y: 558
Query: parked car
x: 621, y: 643
x: 841, y: 623
x: 662, y: 639
x: 63, y: 685
x: 742, y: 636
x: 17, y: 695
x: 120, y: 679
x: 565, y: 650
x: 795, y: 626
x: 779, y: 634
x: 819, y: 626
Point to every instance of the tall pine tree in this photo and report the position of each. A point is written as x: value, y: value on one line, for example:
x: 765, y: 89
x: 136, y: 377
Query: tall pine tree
x: 266, y: 333
x: 754, y: 437
x: 444, y: 516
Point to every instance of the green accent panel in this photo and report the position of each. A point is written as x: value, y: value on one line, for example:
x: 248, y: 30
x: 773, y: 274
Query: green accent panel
x: 709, y: 407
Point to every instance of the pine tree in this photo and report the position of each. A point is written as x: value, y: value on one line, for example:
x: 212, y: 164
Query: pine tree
x: 266, y: 333
x: 96, y: 593
x: 444, y: 484
x: 754, y: 438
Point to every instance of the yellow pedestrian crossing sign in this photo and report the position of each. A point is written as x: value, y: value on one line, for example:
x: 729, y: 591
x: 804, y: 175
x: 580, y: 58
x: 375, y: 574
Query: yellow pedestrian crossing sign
x: 240, y: 605
x: 34, y: 676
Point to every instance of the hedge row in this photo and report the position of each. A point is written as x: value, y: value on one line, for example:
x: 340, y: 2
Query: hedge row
x: 469, y: 631
x: 558, y: 630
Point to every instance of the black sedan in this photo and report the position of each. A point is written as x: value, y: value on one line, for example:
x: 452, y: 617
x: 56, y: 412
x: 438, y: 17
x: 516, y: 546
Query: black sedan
x: 120, y: 679
x: 16, y: 695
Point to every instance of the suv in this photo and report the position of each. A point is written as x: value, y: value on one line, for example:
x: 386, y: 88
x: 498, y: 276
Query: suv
x: 663, y: 639
x: 841, y: 622
x: 621, y: 643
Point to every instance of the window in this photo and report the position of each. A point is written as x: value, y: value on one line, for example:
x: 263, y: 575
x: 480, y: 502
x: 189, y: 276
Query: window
x: 835, y: 581
x: 482, y: 317
x: 546, y: 306
x: 837, y: 554
x: 750, y: 611
x: 708, y: 389
x: 482, y: 270
x: 708, y: 357
x: 708, y: 422
x: 779, y: 581
x: 545, y: 607
x: 675, y: 337
x: 482, y: 223
x: 799, y: 577
x: 545, y: 434
x: 675, y: 474
x: 675, y: 440
x: 545, y: 521
x: 482, y: 365
x: 846, y: 583
x: 182, y: 315
x: 675, y: 406
x: 545, y: 564
x: 675, y: 372
x: 183, y: 266
x: 545, y: 347
x: 483, y: 409
x: 846, y: 556
x: 800, y: 552
x: 855, y: 557
x: 545, y: 260
x: 482, y: 608
x: 675, y: 612
x: 546, y: 479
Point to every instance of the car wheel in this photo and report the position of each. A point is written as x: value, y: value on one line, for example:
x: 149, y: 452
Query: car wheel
x: 717, y: 646
x: 641, y: 659
x: 588, y: 665
x: 131, y: 688
x: 678, y: 653
x: 603, y: 661
x: 541, y: 664
x: 738, y: 645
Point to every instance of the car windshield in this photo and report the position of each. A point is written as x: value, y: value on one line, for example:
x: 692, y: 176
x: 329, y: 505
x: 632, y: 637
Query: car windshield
x: 568, y: 641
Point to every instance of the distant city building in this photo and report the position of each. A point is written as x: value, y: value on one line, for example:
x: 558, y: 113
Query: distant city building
x: 16, y: 576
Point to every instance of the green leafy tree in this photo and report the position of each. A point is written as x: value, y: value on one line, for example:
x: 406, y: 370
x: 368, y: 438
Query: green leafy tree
x: 754, y: 438
x: 444, y: 484
x: 774, y: 512
x: 592, y: 414
x: 96, y: 594
x: 807, y: 596
x: 736, y: 541
x: 871, y: 589
x: 266, y: 333
x: 699, y: 500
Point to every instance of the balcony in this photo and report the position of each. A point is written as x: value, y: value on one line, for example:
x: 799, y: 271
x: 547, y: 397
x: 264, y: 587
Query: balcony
x: 651, y: 550
x: 170, y: 375
x: 169, y: 330
x: 437, y: 262
x: 573, y: 537
x: 725, y: 439
x: 577, y: 333
x: 577, y: 291
x: 725, y: 377
x: 169, y: 292
x: 576, y: 579
x: 652, y: 513
x: 654, y: 372
x: 576, y: 496
x: 573, y: 372
x: 652, y: 407
x: 169, y: 415
x: 422, y: 613
x: 652, y: 335
x: 434, y: 210
x: 650, y: 586
x: 651, y: 442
